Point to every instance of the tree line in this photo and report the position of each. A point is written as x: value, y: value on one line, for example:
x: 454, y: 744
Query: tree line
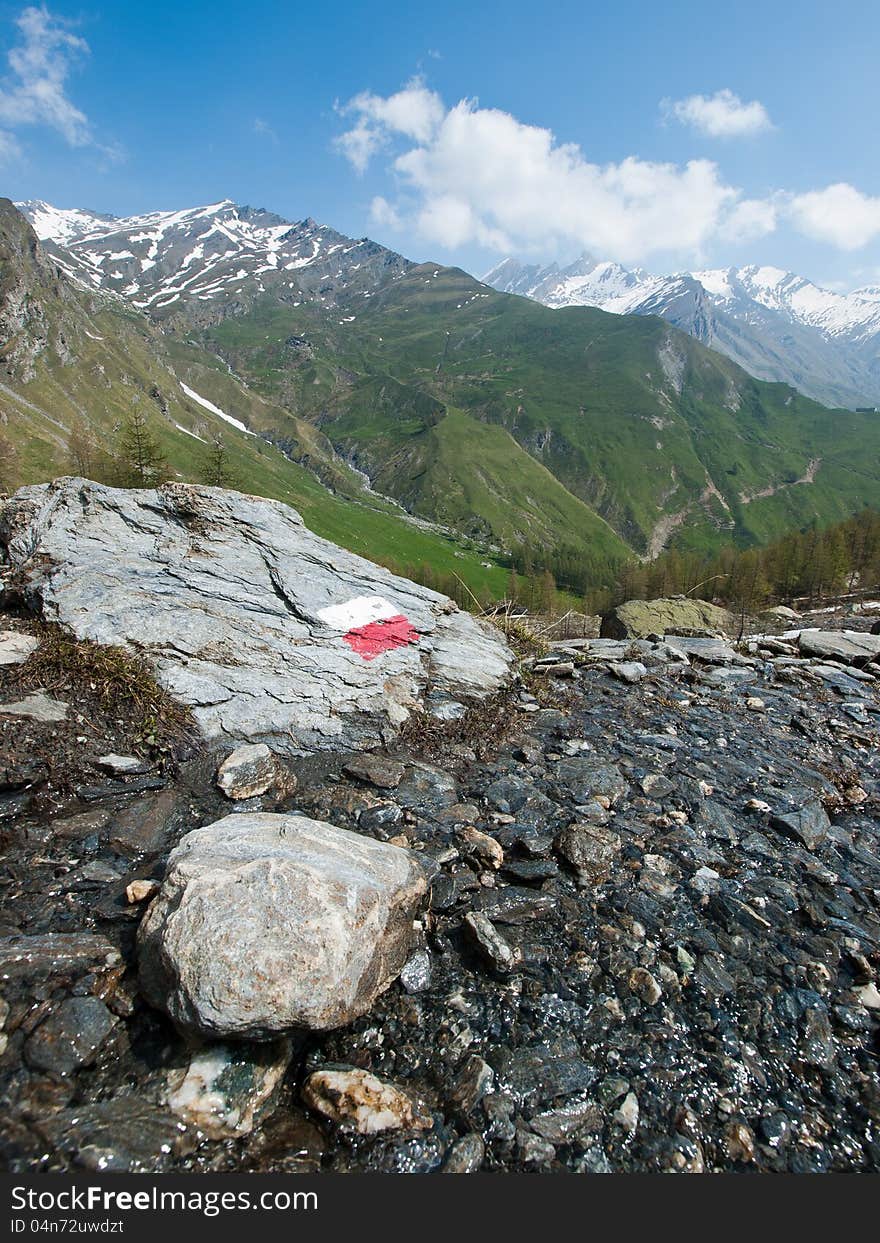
x: 134, y: 458
x: 806, y: 564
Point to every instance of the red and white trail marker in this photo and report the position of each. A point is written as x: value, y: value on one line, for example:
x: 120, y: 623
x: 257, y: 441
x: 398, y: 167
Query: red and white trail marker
x: 371, y: 625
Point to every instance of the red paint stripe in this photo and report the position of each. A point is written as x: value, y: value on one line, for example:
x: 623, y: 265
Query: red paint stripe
x: 381, y: 636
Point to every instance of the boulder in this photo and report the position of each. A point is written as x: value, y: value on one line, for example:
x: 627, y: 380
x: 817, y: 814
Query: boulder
x: 269, y: 922
x: 267, y: 632
x: 637, y: 619
x: 851, y: 647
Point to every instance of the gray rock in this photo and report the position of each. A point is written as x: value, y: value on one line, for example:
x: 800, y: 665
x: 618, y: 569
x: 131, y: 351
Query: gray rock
x: 630, y: 671
x: 852, y: 647
x: 247, y: 772
x: 229, y: 597
x: 37, y: 707
x: 489, y: 941
x: 808, y: 824
x: 70, y: 1036
x: 123, y: 765
x: 122, y: 1135
x: 638, y: 619
x: 415, y: 975
x: 590, y: 849
x: 378, y: 770
x: 269, y: 922
x: 16, y: 647
x: 474, y: 1080
x: 55, y: 953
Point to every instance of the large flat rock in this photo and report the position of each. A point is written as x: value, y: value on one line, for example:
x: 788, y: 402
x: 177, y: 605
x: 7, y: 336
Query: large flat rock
x: 268, y: 632
x: 270, y: 922
x: 852, y: 647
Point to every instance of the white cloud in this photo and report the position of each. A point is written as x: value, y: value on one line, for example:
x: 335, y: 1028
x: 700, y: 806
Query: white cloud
x: 265, y: 130
x: 34, y: 93
x: 9, y: 148
x: 839, y: 214
x: 749, y: 219
x: 415, y: 112
x: 479, y: 175
x: 383, y: 214
x: 722, y: 115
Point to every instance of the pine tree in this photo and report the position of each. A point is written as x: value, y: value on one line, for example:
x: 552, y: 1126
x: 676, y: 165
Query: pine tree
x: 218, y: 472
x: 511, y: 593
x: 548, y: 593
x: 140, y: 461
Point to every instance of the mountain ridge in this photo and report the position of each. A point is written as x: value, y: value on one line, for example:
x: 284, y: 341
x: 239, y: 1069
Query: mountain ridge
x: 482, y: 411
x: 776, y: 324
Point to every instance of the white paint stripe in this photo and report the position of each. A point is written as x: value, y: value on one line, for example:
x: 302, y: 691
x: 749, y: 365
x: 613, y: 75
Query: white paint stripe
x: 359, y: 611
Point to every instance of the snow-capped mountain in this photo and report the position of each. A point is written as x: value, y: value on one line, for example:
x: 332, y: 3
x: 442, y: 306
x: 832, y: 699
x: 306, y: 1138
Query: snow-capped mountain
x: 163, y: 260
x: 777, y: 325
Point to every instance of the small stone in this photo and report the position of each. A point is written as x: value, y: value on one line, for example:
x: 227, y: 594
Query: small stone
x: 37, y: 707
x: 808, y: 824
x: 226, y: 1087
x: 415, y: 975
x: 474, y: 1080
x: 123, y: 765
x: 740, y: 1141
x: 758, y: 805
x: 377, y: 770
x: 629, y: 671
x: 855, y: 795
x: 627, y: 1115
x: 16, y: 647
x: 247, y: 773
x: 482, y: 845
x: 490, y: 942
x: 754, y: 704
x: 643, y: 984
x: 360, y: 1101
x: 533, y: 1149
x: 141, y: 891
x: 465, y: 1156
x: 869, y: 996
x: 591, y: 851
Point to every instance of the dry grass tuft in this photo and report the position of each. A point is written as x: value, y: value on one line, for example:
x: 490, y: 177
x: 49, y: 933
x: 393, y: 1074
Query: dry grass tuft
x: 119, y: 679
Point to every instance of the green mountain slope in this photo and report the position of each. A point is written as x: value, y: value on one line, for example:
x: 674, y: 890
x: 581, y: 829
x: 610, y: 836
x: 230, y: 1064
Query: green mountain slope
x: 662, y: 438
x: 69, y: 358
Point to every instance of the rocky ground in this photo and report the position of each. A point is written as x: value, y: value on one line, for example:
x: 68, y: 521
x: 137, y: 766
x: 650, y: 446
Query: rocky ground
x: 652, y: 941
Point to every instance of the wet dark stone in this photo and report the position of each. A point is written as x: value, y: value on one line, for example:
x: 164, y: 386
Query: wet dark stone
x: 513, y: 905
x: 543, y: 1072
x: 71, y: 1036
x: 808, y: 824
x: 531, y: 869
x: 122, y: 1135
x: 146, y: 825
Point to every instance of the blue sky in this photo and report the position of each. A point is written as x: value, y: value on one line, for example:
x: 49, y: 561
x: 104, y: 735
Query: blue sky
x: 665, y: 135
